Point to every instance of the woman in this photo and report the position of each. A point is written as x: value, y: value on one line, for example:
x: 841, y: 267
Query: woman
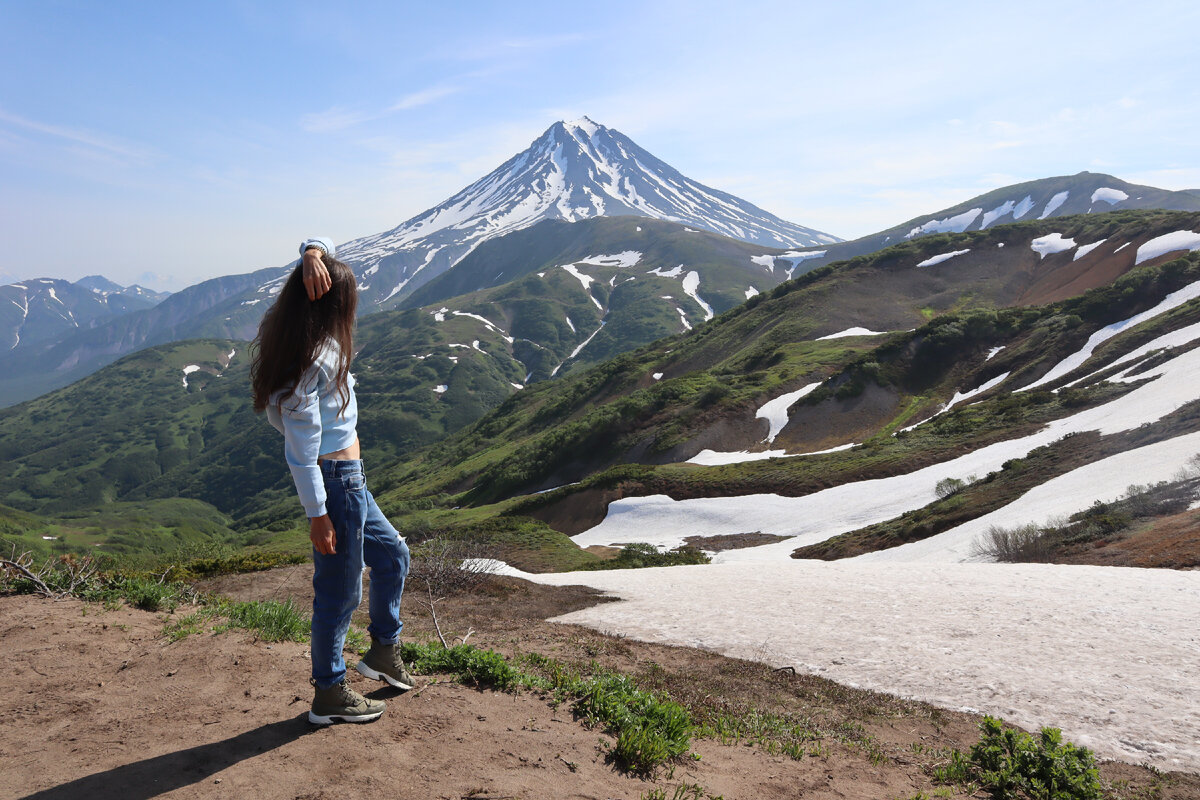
x: 301, y: 378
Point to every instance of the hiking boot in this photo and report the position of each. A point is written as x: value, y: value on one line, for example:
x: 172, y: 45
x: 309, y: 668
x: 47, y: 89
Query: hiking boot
x: 383, y: 663
x: 340, y: 702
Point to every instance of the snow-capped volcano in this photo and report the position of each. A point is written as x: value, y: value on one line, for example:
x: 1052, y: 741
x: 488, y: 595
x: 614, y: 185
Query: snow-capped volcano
x: 575, y: 170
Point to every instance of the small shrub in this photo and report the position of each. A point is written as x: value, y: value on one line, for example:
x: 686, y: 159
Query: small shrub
x: 640, y: 554
x: 1010, y: 763
x: 1013, y: 545
x: 949, y: 486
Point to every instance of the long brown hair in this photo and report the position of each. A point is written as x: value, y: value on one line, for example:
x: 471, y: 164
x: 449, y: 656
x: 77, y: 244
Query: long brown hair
x: 295, y: 329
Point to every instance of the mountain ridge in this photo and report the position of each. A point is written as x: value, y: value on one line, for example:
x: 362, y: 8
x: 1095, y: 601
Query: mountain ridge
x: 574, y: 170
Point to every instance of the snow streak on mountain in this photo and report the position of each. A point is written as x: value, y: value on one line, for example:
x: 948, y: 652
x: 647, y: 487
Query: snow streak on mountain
x: 574, y: 171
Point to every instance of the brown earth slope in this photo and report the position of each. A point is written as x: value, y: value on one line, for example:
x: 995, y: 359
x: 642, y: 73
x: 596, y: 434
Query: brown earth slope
x: 98, y: 703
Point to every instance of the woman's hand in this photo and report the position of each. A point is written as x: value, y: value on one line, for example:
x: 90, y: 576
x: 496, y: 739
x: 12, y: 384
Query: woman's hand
x: 316, y: 276
x: 322, y: 534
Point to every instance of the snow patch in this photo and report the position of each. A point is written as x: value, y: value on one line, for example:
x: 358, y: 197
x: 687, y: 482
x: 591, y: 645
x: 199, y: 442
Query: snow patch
x: 712, y: 458
x: 1023, y: 207
x: 671, y: 273
x: 626, y: 258
x: 1054, y: 204
x: 851, y: 332
x: 1167, y: 243
x: 1110, y: 196
x: 956, y: 224
x: 775, y: 412
x: 1087, y: 248
x: 1050, y: 244
x: 441, y: 388
x: 188, y: 370
x: 996, y: 213
x: 935, y: 260
x: 961, y: 396
x: 691, y: 283
x: 751, y: 292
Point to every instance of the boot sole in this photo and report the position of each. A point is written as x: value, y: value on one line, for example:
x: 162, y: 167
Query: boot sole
x: 318, y: 719
x: 376, y: 675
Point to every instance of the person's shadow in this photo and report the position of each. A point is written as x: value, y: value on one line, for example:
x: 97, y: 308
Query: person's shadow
x: 152, y: 777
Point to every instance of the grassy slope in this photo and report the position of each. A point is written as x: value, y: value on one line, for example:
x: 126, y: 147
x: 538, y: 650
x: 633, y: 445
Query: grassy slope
x: 133, y: 433
x: 561, y: 433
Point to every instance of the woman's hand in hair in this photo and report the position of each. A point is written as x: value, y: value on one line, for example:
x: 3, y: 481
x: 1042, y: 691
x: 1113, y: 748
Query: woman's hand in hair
x: 320, y: 530
x: 316, y: 276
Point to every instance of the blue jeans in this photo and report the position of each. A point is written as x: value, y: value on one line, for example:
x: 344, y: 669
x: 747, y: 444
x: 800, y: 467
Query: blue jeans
x: 364, y: 536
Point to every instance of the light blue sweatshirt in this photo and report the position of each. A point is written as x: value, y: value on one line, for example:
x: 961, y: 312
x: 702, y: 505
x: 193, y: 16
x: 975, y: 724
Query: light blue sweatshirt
x: 311, y: 425
x: 309, y: 420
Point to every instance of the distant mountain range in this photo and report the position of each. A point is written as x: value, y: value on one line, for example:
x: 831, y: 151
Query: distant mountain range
x: 520, y: 219
x: 44, y: 309
x: 1083, y: 193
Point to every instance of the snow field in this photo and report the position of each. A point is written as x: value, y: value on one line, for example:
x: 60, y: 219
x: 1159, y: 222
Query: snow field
x: 1077, y: 359
x: 1104, y: 480
x: 1103, y: 653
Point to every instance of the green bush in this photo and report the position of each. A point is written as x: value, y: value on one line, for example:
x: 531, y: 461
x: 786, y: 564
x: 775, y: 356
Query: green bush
x: 1012, y: 764
x: 641, y: 554
x: 485, y: 668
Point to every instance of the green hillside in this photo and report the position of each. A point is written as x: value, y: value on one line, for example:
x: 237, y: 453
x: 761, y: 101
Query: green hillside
x: 144, y: 433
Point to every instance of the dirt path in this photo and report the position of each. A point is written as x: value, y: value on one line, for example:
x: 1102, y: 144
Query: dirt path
x: 99, y: 704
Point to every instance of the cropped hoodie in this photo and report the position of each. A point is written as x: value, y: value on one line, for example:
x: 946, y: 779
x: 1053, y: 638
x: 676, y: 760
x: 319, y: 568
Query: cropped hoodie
x: 309, y: 418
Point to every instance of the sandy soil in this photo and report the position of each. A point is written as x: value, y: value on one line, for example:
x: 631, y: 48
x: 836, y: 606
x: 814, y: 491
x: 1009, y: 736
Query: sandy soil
x: 99, y: 704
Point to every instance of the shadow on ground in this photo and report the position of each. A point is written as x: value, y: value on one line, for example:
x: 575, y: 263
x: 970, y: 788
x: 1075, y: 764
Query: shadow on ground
x: 160, y: 775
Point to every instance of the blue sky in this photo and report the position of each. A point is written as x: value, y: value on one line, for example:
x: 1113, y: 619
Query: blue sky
x: 167, y: 143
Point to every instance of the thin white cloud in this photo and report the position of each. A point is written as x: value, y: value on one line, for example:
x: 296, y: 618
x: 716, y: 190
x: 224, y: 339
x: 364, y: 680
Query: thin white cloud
x: 336, y: 118
x: 423, y: 97
x: 91, y: 143
x: 339, y: 118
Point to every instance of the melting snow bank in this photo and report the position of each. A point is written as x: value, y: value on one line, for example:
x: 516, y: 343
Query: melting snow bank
x: 818, y: 516
x: 933, y: 262
x: 852, y: 332
x: 775, y: 412
x: 188, y: 370
x: 1071, y: 362
x: 713, y: 458
x: 1101, y: 652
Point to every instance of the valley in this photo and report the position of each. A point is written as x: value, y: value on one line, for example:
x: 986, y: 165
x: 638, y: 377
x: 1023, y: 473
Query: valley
x: 966, y: 430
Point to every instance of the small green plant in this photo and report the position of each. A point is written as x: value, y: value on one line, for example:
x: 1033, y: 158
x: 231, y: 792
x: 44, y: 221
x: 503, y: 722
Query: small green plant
x: 641, y: 554
x: 484, y: 668
x: 1012, y: 764
x: 185, y: 626
x: 684, y: 791
x: 270, y: 620
x: 147, y: 593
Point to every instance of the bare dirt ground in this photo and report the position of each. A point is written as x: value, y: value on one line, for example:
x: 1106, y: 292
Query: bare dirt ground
x: 98, y: 703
